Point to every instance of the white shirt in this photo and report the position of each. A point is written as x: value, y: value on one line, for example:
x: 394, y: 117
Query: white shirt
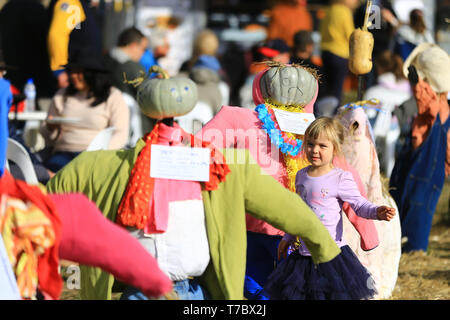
x: 183, y: 250
x: 407, y: 33
x: 391, y: 94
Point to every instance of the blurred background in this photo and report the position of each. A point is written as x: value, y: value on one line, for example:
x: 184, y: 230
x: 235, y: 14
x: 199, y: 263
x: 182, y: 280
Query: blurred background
x: 238, y: 25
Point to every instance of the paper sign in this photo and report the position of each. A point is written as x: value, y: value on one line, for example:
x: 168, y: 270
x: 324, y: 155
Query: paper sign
x: 180, y: 163
x: 294, y: 122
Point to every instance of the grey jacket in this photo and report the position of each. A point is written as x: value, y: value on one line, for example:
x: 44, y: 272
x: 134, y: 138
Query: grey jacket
x: 208, y: 86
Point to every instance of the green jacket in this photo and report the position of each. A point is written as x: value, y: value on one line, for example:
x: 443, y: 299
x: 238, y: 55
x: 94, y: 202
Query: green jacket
x: 103, y: 175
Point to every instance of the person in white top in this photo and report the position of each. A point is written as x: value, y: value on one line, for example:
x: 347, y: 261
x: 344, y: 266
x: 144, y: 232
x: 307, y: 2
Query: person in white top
x: 409, y: 35
x: 392, y: 89
x: 93, y: 102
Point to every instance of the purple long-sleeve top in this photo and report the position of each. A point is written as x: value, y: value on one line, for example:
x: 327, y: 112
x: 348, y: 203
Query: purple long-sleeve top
x: 325, y: 195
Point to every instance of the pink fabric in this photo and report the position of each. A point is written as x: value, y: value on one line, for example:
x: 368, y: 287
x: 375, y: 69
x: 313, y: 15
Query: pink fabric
x: 365, y: 228
x: 360, y: 153
x: 90, y: 239
x: 235, y: 127
x: 167, y: 190
x: 258, y: 98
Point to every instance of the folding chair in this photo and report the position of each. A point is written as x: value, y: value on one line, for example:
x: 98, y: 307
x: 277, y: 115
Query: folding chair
x: 19, y: 155
x: 101, y: 140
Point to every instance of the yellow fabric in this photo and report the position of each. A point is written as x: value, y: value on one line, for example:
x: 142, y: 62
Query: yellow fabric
x: 335, y: 30
x: 26, y: 233
x: 66, y: 15
x: 293, y: 165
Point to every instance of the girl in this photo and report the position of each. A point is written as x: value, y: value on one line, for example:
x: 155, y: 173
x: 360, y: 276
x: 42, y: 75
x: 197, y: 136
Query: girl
x: 324, y: 188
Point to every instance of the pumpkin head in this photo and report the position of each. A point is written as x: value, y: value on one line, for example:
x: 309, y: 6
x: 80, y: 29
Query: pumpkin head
x: 166, y: 97
x: 288, y: 85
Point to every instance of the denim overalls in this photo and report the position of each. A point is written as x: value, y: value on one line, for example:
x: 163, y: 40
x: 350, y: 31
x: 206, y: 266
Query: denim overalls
x: 418, y: 177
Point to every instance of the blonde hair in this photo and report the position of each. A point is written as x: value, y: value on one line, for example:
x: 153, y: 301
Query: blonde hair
x: 206, y: 42
x: 329, y: 128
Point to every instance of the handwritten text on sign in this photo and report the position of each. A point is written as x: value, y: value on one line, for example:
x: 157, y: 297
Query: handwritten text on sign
x: 294, y: 122
x: 180, y: 163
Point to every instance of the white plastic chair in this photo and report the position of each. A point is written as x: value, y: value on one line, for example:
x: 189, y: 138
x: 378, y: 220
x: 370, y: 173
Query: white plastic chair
x: 225, y: 91
x: 19, y: 155
x: 135, y: 119
x: 194, y: 120
x: 101, y: 140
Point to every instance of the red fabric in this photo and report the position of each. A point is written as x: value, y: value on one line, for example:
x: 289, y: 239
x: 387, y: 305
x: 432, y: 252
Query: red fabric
x: 91, y: 239
x: 20, y: 105
x: 134, y: 208
x: 50, y: 282
x: 138, y: 207
x: 429, y: 105
x: 269, y: 52
x: 167, y: 190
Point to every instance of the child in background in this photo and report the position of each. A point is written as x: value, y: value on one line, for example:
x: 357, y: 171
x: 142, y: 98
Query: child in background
x: 303, y: 49
x: 324, y: 188
x: 392, y: 89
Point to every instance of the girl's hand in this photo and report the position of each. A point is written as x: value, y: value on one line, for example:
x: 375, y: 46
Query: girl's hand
x: 385, y: 213
x: 282, y: 249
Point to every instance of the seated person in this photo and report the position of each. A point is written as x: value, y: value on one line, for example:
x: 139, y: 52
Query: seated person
x: 90, y: 98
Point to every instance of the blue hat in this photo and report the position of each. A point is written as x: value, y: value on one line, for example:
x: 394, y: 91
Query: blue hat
x: 207, y: 61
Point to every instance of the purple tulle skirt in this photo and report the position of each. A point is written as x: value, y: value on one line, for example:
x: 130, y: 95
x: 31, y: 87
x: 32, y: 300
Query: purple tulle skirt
x: 343, y: 278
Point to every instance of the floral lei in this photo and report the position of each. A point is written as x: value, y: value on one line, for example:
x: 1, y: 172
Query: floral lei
x: 286, y: 142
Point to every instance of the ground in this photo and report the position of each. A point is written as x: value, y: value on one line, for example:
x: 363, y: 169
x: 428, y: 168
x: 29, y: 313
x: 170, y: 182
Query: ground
x: 426, y: 276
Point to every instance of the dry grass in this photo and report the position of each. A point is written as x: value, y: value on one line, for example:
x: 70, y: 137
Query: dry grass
x: 426, y: 275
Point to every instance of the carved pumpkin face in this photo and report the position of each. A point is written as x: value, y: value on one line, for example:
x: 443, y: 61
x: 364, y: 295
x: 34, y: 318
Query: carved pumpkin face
x: 167, y: 98
x: 286, y: 85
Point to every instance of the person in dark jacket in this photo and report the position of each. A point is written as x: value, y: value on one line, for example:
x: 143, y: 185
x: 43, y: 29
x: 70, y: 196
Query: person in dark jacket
x: 124, y: 59
x: 73, y: 26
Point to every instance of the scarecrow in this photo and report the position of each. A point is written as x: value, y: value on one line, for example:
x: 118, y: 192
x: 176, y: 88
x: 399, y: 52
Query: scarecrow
x: 359, y: 151
x: 284, y: 96
x: 419, y: 172
x: 37, y: 230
